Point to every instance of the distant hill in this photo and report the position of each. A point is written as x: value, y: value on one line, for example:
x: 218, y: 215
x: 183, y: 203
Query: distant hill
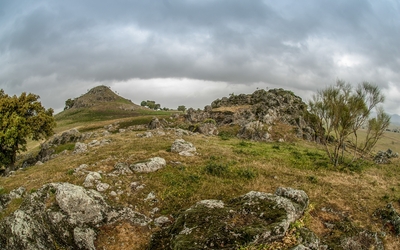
x: 99, y: 103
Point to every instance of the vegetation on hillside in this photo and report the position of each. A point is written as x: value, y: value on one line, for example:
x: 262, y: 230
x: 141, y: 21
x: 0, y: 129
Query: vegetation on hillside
x: 21, y: 118
x: 342, y: 112
x: 343, y: 198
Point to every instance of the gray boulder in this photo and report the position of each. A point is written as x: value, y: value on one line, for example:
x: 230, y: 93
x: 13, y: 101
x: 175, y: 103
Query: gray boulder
x: 254, y: 218
x: 151, y: 165
x: 183, y: 147
x: 61, y: 216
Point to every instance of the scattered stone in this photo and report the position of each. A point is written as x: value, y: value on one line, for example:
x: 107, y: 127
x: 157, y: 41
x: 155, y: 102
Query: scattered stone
x: 91, y: 179
x: 101, y: 187
x: 363, y: 240
x: 150, y: 197
x: 389, y: 217
x: 93, y: 143
x: 81, y: 168
x: 145, y: 135
x: 162, y: 221
x: 155, y: 124
x: 181, y: 145
x: 113, y: 193
x: 186, y: 153
x: 80, y: 148
x: 38, y: 163
x: 135, y: 186
x: 152, y: 165
x: 122, y: 169
x: 383, y: 157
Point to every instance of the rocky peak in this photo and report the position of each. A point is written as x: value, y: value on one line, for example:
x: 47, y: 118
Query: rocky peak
x: 268, y: 109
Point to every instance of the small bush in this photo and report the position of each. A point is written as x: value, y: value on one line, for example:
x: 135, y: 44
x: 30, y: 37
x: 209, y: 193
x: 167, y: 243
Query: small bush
x: 312, y: 179
x: 216, y: 169
x: 246, y: 173
x: 209, y: 120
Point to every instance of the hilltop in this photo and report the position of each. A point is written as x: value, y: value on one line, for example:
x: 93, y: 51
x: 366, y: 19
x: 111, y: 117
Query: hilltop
x: 143, y: 179
x: 99, y: 104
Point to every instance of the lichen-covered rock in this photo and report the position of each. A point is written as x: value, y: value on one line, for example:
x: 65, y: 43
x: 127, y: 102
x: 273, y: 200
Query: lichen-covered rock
x: 155, y: 123
x: 152, y: 165
x: 266, y: 107
x: 363, y: 240
x: 256, y: 131
x: 61, y: 216
x: 181, y: 145
x: 122, y: 169
x: 91, y: 179
x: 383, y: 157
x: 254, y: 218
x: 80, y: 148
x: 390, y: 216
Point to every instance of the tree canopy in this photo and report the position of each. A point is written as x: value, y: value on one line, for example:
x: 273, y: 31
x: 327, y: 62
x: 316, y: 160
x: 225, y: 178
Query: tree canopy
x: 342, y: 111
x: 21, y: 118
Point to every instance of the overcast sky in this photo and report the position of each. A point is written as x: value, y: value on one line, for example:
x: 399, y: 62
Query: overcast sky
x: 195, y: 51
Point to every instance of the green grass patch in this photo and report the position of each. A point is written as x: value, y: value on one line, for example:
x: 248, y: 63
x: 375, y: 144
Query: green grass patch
x: 63, y: 147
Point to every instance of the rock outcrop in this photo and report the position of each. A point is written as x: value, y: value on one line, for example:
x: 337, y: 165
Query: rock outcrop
x: 61, y: 215
x: 253, y: 218
x: 270, y: 108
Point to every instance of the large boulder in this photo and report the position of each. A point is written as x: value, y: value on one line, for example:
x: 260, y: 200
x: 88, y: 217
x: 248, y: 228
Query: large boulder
x: 254, y: 218
x: 61, y: 216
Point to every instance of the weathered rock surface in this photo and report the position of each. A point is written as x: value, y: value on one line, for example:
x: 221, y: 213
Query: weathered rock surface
x: 152, y: 165
x: 390, y: 217
x: 61, y: 215
x: 156, y: 124
x: 267, y: 107
x: 252, y: 218
x: 183, y: 147
x: 80, y: 148
x: 383, y: 157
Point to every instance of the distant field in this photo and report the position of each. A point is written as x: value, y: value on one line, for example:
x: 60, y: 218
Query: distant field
x: 390, y: 140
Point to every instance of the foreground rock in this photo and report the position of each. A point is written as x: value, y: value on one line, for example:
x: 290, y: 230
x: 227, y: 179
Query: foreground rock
x: 254, y: 218
x: 61, y: 216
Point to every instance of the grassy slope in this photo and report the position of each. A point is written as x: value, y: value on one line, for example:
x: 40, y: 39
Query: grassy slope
x: 223, y: 169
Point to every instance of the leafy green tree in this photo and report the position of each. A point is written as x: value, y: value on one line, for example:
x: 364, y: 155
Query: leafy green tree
x: 69, y: 103
x: 151, y: 104
x: 182, y: 108
x: 143, y: 103
x: 342, y: 111
x: 21, y: 118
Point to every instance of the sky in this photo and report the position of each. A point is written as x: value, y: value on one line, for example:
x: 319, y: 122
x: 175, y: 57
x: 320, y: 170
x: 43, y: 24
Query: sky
x: 192, y: 52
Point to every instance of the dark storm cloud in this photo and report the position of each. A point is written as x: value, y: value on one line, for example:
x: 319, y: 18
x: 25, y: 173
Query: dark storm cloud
x: 70, y: 46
